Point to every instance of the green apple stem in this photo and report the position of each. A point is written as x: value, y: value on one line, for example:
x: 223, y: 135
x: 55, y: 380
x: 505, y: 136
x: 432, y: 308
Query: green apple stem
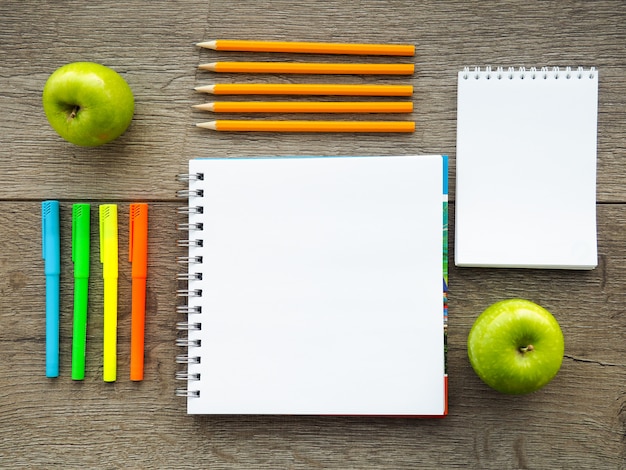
x: 525, y: 349
x: 74, y: 112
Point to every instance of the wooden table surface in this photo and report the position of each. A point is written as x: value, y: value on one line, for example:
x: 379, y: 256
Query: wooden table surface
x: 578, y: 421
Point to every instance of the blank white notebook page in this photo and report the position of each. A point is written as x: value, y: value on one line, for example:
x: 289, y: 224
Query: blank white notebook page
x: 321, y: 286
x: 526, y: 169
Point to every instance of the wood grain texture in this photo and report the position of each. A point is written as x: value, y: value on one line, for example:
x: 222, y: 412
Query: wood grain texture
x: 577, y: 421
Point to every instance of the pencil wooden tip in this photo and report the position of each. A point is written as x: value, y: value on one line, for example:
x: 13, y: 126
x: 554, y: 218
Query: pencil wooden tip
x: 205, y: 106
x: 212, y: 125
x: 210, y: 66
x: 205, y: 88
x: 208, y: 44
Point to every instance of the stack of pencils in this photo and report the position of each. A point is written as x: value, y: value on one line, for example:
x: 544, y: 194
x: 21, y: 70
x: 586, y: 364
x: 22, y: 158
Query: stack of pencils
x: 309, y: 89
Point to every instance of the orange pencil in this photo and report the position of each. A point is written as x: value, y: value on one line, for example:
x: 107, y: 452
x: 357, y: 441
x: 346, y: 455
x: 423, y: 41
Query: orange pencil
x: 305, y: 89
x: 308, y: 126
x: 309, y: 68
x: 307, y: 107
x: 138, y: 256
x: 309, y: 47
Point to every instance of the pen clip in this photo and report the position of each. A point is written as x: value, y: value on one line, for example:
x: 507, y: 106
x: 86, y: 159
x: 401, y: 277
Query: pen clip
x: 131, y: 229
x: 50, y: 237
x: 76, y: 212
x: 81, y: 220
x: 103, y: 214
x: 108, y: 238
x: 138, y: 238
x: 73, y: 235
x: 45, y: 209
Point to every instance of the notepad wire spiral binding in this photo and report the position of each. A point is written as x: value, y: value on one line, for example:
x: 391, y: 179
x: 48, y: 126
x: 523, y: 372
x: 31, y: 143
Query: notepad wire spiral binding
x: 500, y: 73
x: 190, y: 276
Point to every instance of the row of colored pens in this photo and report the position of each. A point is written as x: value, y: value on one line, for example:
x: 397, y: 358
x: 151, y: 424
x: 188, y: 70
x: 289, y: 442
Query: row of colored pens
x: 81, y: 247
x: 309, y: 89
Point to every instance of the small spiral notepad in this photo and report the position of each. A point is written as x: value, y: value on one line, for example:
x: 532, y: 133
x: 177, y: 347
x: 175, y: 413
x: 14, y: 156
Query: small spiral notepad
x: 526, y: 168
x: 314, y: 286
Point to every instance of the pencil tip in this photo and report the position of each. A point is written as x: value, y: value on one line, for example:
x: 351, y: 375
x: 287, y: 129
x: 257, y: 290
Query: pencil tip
x: 207, y: 125
x: 207, y: 44
x: 204, y: 107
x: 205, y: 88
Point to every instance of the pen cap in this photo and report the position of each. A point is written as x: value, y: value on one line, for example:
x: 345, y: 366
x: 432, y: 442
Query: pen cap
x: 51, y: 243
x: 81, y: 218
x: 108, y: 240
x: 138, y: 239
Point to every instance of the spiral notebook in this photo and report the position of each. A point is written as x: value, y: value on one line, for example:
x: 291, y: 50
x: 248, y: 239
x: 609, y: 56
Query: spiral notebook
x: 314, y: 286
x: 526, y: 168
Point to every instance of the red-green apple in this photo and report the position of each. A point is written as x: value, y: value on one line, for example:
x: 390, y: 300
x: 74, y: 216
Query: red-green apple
x: 516, y: 346
x: 88, y: 104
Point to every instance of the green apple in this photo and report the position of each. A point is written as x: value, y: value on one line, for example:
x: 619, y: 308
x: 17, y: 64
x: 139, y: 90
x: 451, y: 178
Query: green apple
x: 516, y: 346
x: 88, y: 104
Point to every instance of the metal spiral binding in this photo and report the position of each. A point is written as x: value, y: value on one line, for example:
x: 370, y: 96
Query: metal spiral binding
x: 187, y: 377
x: 186, y: 326
x: 183, y: 392
x: 189, y: 292
x: 187, y: 177
x: 512, y: 73
x: 189, y: 259
x: 190, y: 210
x: 182, y: 375
x: 186, y: 359
x: 188, y: 343
x: 189, y: 192
x: 187, y: 242
x: 190, y: 241
x: 186, y: 309
x: 188, y: 227
x: 189, y: 276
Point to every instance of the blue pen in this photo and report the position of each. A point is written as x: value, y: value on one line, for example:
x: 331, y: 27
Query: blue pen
x: 51, y: 244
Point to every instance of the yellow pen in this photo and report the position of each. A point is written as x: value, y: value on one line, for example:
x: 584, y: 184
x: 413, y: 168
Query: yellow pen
x: 109, y: 260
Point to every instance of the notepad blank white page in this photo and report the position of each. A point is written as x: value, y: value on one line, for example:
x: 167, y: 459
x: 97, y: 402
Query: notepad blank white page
x: 321, y: 286
x: 526, y: 169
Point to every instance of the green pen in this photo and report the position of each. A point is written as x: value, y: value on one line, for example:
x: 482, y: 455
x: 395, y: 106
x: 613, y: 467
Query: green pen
x: 80, y: 257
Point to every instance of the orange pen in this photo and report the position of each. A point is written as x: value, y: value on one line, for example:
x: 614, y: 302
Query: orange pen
x: 138, y: 256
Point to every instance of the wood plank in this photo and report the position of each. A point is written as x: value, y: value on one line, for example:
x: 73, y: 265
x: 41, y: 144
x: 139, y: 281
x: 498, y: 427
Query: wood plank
x: 577, y: 421
x: 160, y: 64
